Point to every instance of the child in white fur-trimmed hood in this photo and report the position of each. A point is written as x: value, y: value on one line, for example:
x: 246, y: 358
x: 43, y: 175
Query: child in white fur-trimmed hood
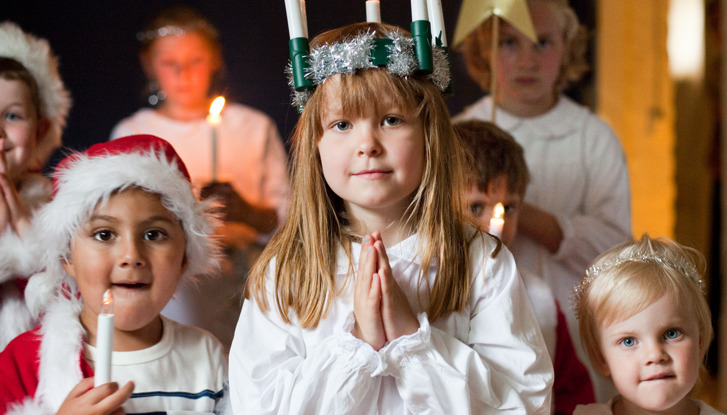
x: 123, y: 218
x: 33, y: 109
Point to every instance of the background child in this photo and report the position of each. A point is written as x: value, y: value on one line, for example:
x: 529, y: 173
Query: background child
x: 336, y: 322
x: 123, y: 217
x: 645, y: 323
x: 498, y: 174
x: 182, y: 57
x: 33, y: 109
x: 577, y: 204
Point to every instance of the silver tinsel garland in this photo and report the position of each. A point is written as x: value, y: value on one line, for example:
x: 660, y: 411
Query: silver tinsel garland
x: 356, y: 54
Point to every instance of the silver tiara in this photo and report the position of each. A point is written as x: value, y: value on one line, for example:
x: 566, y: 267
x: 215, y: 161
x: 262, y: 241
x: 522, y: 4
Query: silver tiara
x: 684, y: 267
x: 362, y: 52
x: 169, y: 30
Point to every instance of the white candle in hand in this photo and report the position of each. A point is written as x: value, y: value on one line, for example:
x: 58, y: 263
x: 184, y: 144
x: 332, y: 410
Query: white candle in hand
x: 497, y: 222
x: 214, y: 118
x: 104, y: 340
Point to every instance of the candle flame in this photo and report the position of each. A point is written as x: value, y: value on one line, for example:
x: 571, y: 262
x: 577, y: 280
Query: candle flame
x: 216, y: 109
x: 499, y: 211
x: 108, y: 302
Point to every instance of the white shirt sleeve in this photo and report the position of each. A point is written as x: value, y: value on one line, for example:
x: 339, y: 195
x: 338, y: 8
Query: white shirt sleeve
x: 503, y: 367
x: 272, y: 372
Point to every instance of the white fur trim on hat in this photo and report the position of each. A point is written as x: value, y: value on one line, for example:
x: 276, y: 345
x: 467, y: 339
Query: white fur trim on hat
x: 55, y: 101
x: 83, y: 183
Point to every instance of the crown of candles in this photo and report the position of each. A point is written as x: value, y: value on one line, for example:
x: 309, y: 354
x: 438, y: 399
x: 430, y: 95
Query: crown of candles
x: 400, y: 54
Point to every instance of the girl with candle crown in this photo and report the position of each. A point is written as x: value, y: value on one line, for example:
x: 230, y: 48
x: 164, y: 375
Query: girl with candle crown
x: 34, y: 105
x: 646, y: 324
x: 181, y: 54
x: 375, y: 296
x: 123, y: 217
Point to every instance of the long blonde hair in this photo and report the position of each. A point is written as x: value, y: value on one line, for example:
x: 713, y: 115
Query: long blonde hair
x: 305, y: 250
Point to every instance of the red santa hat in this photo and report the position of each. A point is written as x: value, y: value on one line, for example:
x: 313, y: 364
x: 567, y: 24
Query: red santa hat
x: 82, y: 181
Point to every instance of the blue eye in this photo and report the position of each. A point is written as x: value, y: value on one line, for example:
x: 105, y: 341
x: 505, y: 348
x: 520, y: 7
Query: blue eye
x: 342, y: 126
x: 392, y: 121
x: 476, y: 209
x: 11, y: 116
x: 672, y: 334
x: 628, y: 342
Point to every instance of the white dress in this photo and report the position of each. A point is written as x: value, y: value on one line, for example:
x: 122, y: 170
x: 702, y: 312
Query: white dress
x: 578, y: 174
x: 251, y: 157
x: 490, y: 358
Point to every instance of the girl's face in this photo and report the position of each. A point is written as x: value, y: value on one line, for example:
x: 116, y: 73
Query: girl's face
x: 184, y: 67
x: 373, y: 162
x: 527, y: 73
x: 18, y: 126
x: 653, y: 356
x: 134, y: 246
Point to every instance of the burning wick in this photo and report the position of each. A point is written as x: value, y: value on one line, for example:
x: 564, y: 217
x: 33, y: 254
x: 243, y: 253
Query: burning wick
x: 214, y: 118
x: 497, y: 221
x: 104, y: 340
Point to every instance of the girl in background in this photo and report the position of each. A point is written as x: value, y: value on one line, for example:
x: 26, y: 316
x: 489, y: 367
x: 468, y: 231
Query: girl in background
x: 182, y: 57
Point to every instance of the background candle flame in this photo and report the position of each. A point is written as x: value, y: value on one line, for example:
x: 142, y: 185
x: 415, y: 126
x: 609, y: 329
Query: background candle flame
x: 499, y: 211
x: 216, y: 109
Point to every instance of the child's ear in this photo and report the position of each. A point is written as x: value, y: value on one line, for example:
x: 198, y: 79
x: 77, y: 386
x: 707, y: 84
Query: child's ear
x: 41, y: 129
x: 185, y: 263
x: 601, y: 365
x: 67, y: 264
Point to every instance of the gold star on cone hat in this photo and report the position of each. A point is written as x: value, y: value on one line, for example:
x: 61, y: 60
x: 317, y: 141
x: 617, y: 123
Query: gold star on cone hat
x: 474, y: 12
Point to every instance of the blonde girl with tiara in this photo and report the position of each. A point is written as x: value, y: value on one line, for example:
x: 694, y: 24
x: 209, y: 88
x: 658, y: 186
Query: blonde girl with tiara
x: 645, y: 324
x: 375, y: 297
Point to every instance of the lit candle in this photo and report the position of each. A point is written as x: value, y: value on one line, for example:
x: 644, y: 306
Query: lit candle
x: 303, y: 19
x: 436, y: 19
x: 104, y: 340
x: 373, y: 11
x: 497, y: 221
x: 419, y: 10
x: 295, y: 20
x: 214, y: 118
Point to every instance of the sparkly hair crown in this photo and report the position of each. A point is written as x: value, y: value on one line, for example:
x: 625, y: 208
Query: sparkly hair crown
x: 682, y: 266
x: 395, y: 52
x: 401, y: 55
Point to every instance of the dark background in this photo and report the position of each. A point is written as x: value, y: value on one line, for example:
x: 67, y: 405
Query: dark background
x: 98, y: 52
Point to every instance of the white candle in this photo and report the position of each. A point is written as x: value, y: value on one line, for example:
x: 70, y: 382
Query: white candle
x: 373, y: 11
x: 419, y: 10
x: 214, y: 118
x: 303, y: 19
x: 436, y: 20
x: 104, y: 340
x: 295, y: 20
x: 497, y: 222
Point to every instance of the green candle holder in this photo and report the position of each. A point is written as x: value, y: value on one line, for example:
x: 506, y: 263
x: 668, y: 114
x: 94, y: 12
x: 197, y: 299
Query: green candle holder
x: 299, y: 52
x: 421, y: 32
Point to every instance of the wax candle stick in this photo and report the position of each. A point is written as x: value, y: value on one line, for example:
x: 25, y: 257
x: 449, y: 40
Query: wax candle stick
x: 303, y: 18
x: 436, y: 19
x: 373, y: 11
x: 419, y: 10
x: 295, y: 20
x: 214, y: 119
x: 104, y: 340
x: 497, y: 222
